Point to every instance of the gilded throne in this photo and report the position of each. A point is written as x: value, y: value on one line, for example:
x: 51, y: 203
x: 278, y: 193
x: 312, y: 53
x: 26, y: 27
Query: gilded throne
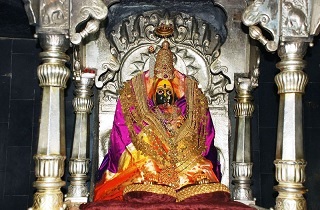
x: 205, y: 42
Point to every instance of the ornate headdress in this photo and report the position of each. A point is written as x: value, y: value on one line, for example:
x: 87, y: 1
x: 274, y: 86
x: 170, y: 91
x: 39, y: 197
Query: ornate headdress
x: 163, y: 68
x: 164, y: 62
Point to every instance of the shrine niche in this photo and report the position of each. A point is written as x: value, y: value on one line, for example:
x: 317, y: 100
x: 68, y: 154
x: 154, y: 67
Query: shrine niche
x: 191, y: 58
x: 111, y: 43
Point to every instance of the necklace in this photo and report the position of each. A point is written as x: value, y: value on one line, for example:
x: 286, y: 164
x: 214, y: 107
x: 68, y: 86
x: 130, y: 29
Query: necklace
x: 170, y: 116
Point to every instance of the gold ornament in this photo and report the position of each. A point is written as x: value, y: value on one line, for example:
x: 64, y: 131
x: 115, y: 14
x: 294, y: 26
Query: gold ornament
x: 164, y: 63
x: 180, y: 195
x: 200, y: 189
x: 164, y: 30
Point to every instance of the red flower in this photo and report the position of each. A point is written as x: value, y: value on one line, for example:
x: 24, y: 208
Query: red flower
x: 89, y: 70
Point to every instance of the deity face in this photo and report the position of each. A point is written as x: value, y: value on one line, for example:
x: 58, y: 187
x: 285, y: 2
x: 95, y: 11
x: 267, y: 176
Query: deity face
x: 164, y: 93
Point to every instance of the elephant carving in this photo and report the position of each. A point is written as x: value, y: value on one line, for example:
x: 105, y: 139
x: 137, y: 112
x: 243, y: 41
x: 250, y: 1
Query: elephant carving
x: 52, y: 12
x: 296, y: 19
x: 252, y: 14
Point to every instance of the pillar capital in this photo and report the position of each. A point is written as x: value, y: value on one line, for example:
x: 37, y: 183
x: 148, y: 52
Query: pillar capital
x: 284, y: 20
x: 82, y: 101
x: 63, y: 17
x: 244, y: 105
x: 291, y: 81
x: 292, y: 50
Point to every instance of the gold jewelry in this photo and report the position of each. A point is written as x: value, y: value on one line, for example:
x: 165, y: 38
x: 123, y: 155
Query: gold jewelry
x: 177, y: 150
x: 169, y: 176
x: 200, y: 189
x: 164, y: 30
x: 171, y: 120
x: 158, y: 189
x: 181, y: 194
x: 164, y: 63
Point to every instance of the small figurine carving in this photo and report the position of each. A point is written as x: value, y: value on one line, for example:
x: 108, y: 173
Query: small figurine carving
x: 53, y: 12
x: 296, y: 20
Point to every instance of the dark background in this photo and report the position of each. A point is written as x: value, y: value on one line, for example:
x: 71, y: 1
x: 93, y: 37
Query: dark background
x: 20, y: 104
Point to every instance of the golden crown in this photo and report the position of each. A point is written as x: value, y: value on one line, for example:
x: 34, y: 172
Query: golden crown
x: 164, y: 30
x: 164, y: 63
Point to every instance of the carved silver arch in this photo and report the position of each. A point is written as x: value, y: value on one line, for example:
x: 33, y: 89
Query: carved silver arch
x: 196, y: 47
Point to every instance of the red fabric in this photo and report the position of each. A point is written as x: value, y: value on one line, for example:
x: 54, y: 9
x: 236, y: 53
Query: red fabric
x: 113, y: 190
x: 148, y: 197
x: 147, y: 201
x: 123, y: 205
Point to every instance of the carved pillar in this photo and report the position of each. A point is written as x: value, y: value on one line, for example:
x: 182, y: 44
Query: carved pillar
x: 290, y: 163
x: 51, y: 23
x: 49, y: 160
x: 79, y: 161
x: 242, y: 165
x: 55, y: 21
x: 293, y: 24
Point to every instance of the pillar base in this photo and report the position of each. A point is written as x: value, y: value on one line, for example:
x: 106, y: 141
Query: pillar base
x: 48, y: 199
x: 75, y: 202
x: 287, y: 200
x: 247, y: 202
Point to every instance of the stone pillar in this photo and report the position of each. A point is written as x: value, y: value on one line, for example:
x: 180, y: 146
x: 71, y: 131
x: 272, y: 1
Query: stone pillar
x: 79, y: 161
x: 49, y: 160
x: 289, y: 162
x: 242, y: 165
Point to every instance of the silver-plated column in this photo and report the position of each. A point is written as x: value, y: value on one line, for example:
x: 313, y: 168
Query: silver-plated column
x: 242, y: 165
x: 290, y: 163
x: 79, y: 161
x: 49, y: 160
